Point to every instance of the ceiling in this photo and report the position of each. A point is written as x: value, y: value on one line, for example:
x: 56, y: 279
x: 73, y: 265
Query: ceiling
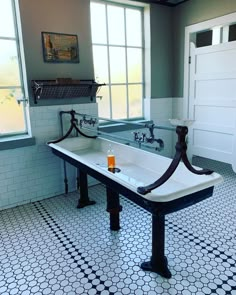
x: 163, y: 2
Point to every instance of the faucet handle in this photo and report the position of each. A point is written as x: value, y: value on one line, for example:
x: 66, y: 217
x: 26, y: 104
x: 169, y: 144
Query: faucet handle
x: 143, y: 135
x: 135, y: 133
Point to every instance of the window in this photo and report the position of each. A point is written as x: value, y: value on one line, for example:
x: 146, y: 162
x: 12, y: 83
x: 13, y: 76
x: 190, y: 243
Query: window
x: 215, y: 35
x: 204, y: 38
x: 12, y: 91
x: 232, y: 33
x: 117, y: 38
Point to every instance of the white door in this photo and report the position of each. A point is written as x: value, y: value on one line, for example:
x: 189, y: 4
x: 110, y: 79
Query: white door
x: 212, y: 102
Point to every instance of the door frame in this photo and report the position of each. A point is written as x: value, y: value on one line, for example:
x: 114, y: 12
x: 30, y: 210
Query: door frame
x: 189, y: 30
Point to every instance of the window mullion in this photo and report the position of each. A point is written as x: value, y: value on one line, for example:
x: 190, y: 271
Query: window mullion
x: 108, y: 61
x: 126, y: 66
x: 21, y: 58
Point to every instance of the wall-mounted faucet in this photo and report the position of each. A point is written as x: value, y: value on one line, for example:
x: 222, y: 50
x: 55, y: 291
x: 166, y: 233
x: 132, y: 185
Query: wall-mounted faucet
x: 142, y: 137
x: 151, y: 137
x: 139, y: 137
x: 91, y: 121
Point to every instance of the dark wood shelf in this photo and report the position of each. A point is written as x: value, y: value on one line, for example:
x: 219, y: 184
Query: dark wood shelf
x: 64, y: 88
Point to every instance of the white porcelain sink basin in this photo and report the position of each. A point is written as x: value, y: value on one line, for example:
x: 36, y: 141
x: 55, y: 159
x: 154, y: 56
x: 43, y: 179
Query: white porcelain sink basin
x: 137, y: 167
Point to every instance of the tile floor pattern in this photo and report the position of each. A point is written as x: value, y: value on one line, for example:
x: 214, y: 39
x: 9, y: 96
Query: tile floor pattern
x: 51, y: 247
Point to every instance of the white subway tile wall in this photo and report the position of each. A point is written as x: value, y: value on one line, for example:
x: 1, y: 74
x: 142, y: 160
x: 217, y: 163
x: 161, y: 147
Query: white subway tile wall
x: 178, y: 107
x: 33, y: 173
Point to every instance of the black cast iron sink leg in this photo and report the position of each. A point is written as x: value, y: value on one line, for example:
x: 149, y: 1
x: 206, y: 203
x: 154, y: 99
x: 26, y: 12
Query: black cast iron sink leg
x: 114, y: 208
x: 158, y: 262
x: 77, y: 179
x: 84, y: 199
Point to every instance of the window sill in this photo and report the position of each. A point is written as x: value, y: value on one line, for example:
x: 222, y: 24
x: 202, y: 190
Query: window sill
x: 118, y: 127
x: 19, y: 141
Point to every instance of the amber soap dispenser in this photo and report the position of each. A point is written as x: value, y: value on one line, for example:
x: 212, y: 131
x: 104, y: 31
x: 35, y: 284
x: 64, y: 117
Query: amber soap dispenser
x: 111, y: 160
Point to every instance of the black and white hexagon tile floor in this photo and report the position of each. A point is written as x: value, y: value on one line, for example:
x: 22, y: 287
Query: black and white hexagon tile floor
x: 51, y: 247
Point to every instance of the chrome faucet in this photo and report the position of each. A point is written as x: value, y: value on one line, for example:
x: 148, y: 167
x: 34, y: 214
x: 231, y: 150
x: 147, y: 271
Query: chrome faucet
x: 90, y: 121
x: 151, y: 137
x: 139, y: 137
x: 142, y: 138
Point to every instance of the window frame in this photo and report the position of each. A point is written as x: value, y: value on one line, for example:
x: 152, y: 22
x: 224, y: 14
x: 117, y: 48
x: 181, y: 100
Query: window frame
x: 108, y: 45
x: 22, y: 138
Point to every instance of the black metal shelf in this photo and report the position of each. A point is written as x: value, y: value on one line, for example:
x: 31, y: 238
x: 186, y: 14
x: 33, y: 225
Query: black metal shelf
x: 64, y: 88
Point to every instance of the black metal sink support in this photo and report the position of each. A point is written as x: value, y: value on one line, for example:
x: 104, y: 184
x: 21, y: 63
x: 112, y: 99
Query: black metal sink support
x: 74, y: 125
x: 114, y: 208
x: 84, y: 201
x: 180, y: 154
x: 158, y: 261
x: 84, y: 198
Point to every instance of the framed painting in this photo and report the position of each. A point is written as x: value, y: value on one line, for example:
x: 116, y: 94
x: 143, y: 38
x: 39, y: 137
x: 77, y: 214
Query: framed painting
x: 60, y: 48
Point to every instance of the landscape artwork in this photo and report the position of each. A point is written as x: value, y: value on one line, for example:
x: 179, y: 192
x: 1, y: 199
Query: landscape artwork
x: 58, y: 48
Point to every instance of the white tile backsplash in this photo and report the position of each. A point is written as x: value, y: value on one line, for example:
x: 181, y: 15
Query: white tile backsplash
x: 178, y: 104
x: 34, y: 173
x: 161, y: 109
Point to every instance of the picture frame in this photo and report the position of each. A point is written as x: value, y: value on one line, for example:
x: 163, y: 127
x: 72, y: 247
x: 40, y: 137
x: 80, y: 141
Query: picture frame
x: 60, y: 48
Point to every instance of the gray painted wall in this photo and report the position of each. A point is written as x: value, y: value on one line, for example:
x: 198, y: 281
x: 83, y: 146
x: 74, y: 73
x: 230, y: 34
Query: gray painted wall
x: 161, y: 51
x: 73, y: 17
x: 60, y: 16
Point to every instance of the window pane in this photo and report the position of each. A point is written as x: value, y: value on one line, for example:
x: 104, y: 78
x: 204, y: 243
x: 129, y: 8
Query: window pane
x: 204, y: 38
x: 117, y: 65
x: 6, y: 19
x: 232, y: 32
x: 98, y: 23
x: 135, y: 101
x: 116, y: 28
x: 100, y: 61
x: 134, y: 65
x: 11, y: 113
x: 104, y: 102
x: 9, y: 68
x: 119, y: 102
x: 134, y: 27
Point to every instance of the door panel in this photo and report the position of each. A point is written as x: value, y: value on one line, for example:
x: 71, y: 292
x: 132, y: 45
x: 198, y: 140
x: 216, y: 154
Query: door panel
x: 212, y: 102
